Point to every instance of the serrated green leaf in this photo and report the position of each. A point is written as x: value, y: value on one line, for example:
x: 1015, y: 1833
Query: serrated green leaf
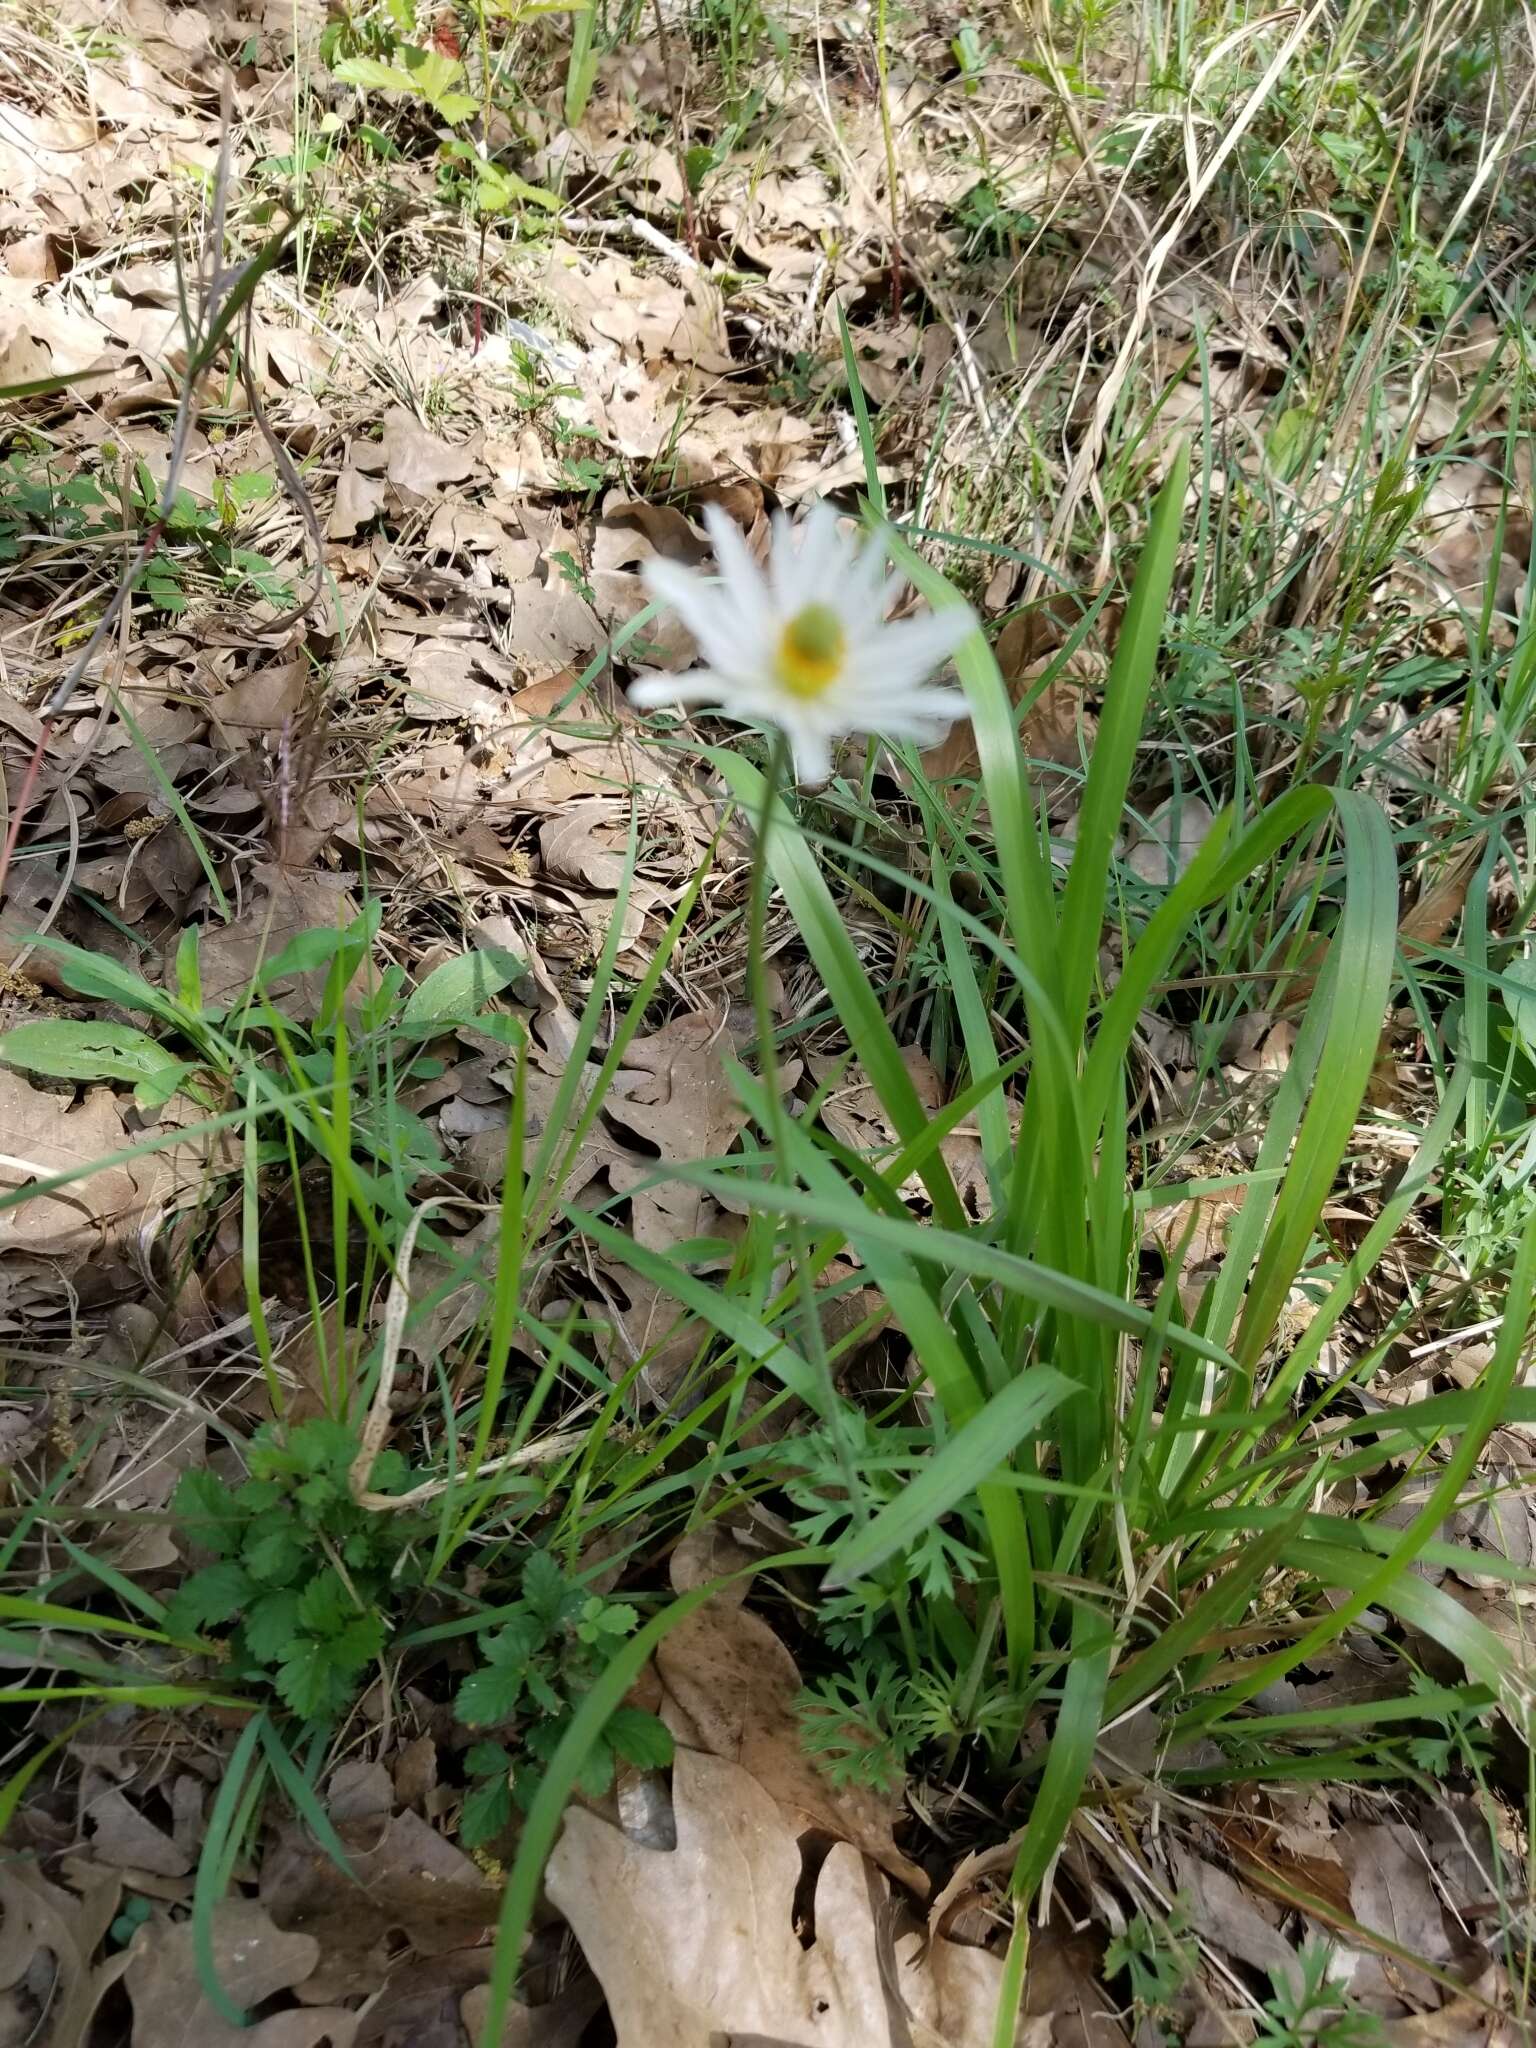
x: 359, y: 1643
x: 78, y: 1051
x: 489, y: 1696
x: 481, y: 1759
x: 274, y: 1556
x: 455, y: 992
x: 639, y: 1738
x: 204, y: 1504
x: 455, y: 106
x: 309, y: 1682
x: 546, y: 1590
x: 208, y: 1597
x: 486, y: 1811
x: 541, y: 1691
x: 271, y: 1625
x: 325, y: 1606
x: 515, y: 1642
x: 596, y: 1773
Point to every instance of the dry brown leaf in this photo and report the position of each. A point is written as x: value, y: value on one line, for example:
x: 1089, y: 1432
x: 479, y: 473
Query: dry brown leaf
x: 854, y: 1113
x: 125, y: 1839
x: 573, y: 851
x: 444, y: 680
x: 642, y: 312
x: 410, y: 1881
x: 1162, y: 849
x: 1438, y: 907
x: 254, y: 1960
x: 1061, y: 1985
x: 417, y: 460
x: 359, y: 500
x: 47, y: 1133
x: 1233, y: 1918
x: 700, y: 1943
x: 1392, y: 1893
x: 736, y: 1684
x: 264, y: 702
x: 279, y: 904
x: 42, y: 335
x: 48, y: 1937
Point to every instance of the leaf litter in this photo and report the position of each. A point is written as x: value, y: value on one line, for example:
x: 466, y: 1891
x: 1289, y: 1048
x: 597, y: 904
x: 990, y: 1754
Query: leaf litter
x: 446, y: 726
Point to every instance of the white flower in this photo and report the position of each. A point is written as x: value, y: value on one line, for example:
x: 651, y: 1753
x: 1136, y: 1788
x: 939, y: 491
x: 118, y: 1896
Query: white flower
x: 807, y: 649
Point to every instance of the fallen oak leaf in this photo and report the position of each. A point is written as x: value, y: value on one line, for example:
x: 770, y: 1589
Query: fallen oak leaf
x: 699, y: 1943
x: 253, y: 1961
x: 736, y: 1683
x: 417, y: 460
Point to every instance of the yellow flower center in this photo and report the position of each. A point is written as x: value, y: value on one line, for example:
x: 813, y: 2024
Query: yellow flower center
x: 810, y: 652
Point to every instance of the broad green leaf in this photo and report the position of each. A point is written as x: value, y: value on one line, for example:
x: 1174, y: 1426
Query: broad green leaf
x: 1068, y: 1760
x: 309, y: 1682
x: 78, y: 1051
x: 210, y: 1596
x: 271, y: 1624
x: 1289, y: 439
x: 640, y: 1738
x: 455, y: 992
x: 92, y: 974
x: 305, y: 952
x: 972, y: 1454
x: 489, y: 1696
x: 373, y: 76
x: 189, y: 974
x: 487, y: 1809
x: 1519, y: 987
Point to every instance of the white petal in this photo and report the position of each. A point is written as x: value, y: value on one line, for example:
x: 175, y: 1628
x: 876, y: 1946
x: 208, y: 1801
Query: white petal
x: 926, y: 706
x: 745, y: 589
x: 786, y: 567
x: 918, y: 645
x: 867, y: 590
x: 813, y: 756
x: 656, y: 692
x: 728, y: 641
x: 832, y: 562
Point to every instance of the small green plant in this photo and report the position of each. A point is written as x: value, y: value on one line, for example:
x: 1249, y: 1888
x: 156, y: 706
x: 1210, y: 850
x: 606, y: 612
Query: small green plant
x: 1159, y: 1957
x: 538, y: 1664
x: 1309, y: 2010
x: 36, y: 510
x: 428, y: 76
x: 1463, y: 1740
x: 859, y: 1725
x: 301, y: 1575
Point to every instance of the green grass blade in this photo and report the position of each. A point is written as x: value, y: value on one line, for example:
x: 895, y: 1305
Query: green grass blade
x: 1126, y: 691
